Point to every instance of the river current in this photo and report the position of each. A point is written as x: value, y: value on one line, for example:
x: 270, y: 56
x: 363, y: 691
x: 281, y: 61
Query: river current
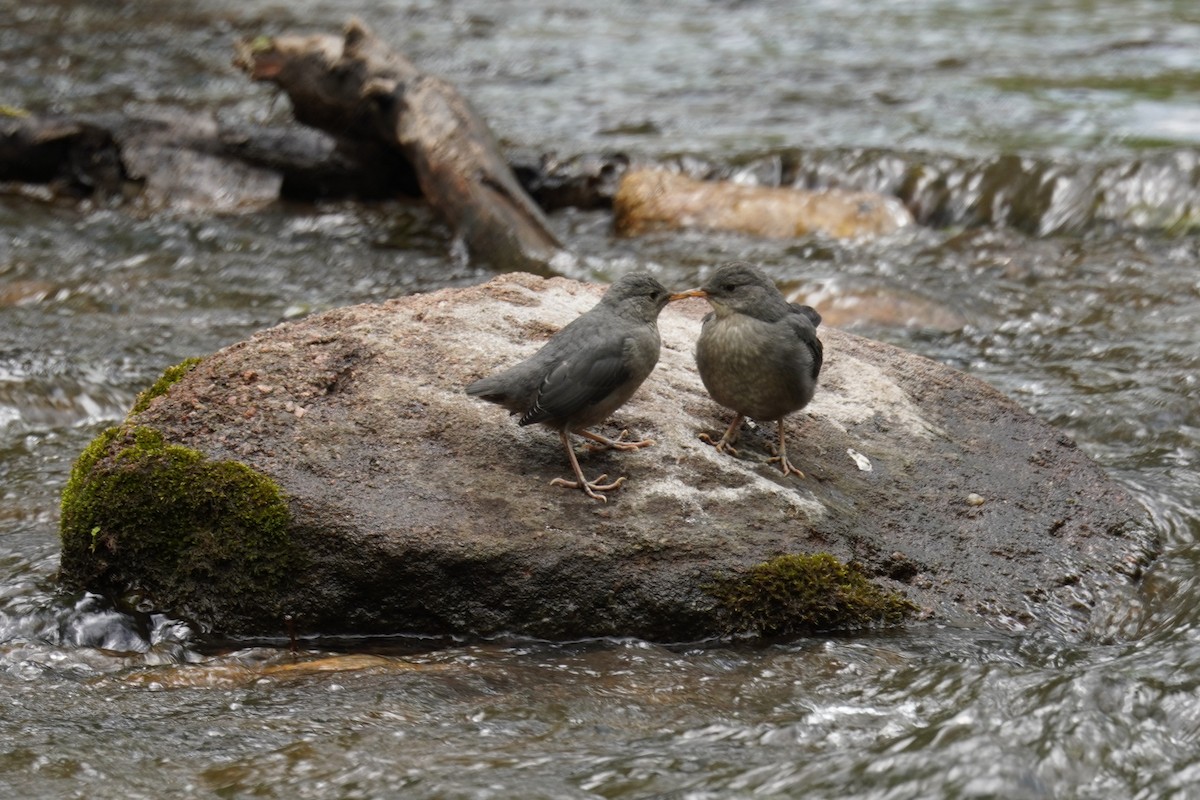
x: 1050, y: 152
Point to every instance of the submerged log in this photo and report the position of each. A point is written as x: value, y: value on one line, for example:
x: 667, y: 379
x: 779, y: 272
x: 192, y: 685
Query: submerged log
x: 76, y: 157
x: 333, y: 472
x: 144, y: 160
x: 191, y: 161
x: 655, y: 199
x: 356, y: 87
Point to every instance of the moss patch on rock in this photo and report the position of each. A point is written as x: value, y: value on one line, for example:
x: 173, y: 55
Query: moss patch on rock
x: 207, y: 539
x: 797, y: 594
x: 170, y: 376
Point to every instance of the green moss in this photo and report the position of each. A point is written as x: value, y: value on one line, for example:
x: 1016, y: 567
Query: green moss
x: 160, y: 387
x: 795, y: 594
x: 200, y: 537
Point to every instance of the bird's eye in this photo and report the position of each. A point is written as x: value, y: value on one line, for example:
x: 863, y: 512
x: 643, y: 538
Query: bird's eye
x: 729, y: 287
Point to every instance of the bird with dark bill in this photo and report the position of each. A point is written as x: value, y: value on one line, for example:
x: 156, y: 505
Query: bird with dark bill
x: 757, y: 354
x: 586, y: 372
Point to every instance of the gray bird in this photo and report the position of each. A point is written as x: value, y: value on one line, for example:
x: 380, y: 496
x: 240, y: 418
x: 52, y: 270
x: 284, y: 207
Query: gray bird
x: 758, y: 354
x: 586, y: 372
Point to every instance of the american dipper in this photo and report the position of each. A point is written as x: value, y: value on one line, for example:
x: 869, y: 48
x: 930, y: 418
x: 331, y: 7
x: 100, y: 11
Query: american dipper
x: 587, y: 371
x: 758, y: 354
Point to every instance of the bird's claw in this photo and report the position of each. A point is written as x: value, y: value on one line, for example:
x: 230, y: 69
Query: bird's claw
x: 590, y: 488
x: 633, y: 445
x: 722, y: 445
x: 785, y: 466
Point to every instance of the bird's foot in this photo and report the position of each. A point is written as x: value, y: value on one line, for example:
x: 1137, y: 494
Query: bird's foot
x: 591, y: 488
x: 723, y: 445
x: 780, y: 456
x: 604, y: 443
x: 785, y: 466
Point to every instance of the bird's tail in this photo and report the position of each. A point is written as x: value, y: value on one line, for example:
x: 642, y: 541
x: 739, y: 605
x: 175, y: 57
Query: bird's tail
x: 486, y: 389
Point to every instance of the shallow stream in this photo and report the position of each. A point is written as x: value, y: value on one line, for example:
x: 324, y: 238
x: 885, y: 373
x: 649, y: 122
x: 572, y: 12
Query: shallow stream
x: 1075, y: 291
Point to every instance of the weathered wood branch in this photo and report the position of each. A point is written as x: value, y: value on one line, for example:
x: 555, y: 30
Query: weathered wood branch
x: 359, y: 89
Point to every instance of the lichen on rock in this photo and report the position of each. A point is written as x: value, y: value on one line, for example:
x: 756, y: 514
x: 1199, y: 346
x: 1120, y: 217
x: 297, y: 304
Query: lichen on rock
x: 142, y: 516
x: 807, y: 593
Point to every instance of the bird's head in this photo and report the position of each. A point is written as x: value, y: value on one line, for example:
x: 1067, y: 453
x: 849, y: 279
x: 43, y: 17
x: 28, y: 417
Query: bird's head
x: 740, y: 288
x: 638, y: 296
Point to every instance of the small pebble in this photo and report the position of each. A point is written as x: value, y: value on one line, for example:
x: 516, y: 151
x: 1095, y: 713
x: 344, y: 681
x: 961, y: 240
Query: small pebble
x: 974, y: 499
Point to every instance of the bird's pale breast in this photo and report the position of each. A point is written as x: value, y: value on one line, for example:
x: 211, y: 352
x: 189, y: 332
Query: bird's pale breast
x: 754, y: 367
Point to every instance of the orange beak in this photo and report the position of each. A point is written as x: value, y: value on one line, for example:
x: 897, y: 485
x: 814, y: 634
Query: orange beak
x: 689, y: 293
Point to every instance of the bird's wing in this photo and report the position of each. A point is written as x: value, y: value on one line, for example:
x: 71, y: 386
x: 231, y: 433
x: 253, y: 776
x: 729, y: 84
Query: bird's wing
x: 801, y: 325
x: 582, y: 378
x: 517, y: 387
x: 807, y: 311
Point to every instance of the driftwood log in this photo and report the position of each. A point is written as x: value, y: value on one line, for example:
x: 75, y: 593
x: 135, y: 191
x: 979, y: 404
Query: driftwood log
x: 111, y: 155
x: 180, y: 159
x: 378, y: 128
x: 357, y: 88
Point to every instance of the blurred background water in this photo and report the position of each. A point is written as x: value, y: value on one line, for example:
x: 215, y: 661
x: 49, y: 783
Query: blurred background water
x: 1049, y: 150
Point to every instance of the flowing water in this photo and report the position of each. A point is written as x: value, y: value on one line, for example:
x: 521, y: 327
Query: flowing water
x: 1049, y: 150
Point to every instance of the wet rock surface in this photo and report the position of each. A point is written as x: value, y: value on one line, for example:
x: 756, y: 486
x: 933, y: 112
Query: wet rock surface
x: 656, y: 199
x: 421, y: 510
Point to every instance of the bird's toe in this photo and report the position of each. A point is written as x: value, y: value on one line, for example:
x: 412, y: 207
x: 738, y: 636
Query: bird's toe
x: 591, y: 488
x: 723, y: 445
x: 785, y: 466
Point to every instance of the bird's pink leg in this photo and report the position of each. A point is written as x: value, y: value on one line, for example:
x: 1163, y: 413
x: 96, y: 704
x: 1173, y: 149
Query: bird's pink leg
x: 725, y: 445
x: 781, y: 457
x: 590, y: 488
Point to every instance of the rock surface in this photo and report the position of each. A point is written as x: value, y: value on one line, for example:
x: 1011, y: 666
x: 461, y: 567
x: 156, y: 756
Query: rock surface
x: 417, y: 509
x: 656, y: 199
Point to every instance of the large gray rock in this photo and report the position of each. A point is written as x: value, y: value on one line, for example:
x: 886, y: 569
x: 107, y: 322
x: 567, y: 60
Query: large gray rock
x: 412, y: 508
